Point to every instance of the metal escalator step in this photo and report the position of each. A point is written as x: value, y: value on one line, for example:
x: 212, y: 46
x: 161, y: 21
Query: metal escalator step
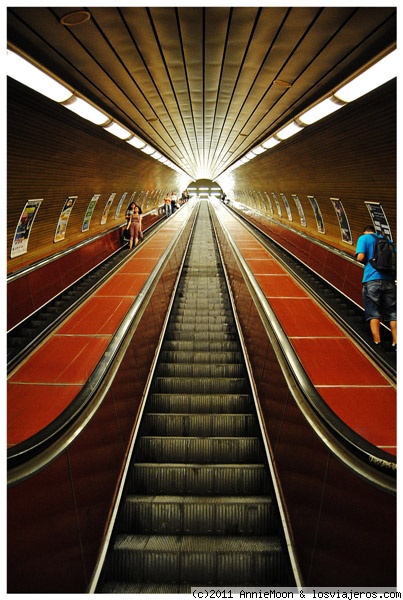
x: 205, y: 320
x: 229, y: 450
x: 201, y: 335
x: 198, y: 515
x: 130, y: 587
x: 186, y: 309
x: 222, y: 560
x: 199, y: 424
x: 195, y: 326
x: 200, y: 385
x: 213, y: 371
x: 199, y: 403
x: 196, y: 479
x: 200, y: 345
x: 200, y: 356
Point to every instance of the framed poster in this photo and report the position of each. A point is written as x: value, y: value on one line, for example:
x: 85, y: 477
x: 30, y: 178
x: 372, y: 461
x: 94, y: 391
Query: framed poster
x: 343, y: 221
x: 277, y: 203
x: 379, y: 219
x: 269, y: 202
x: 120, y: 204
x: 89, y: 211
x: 318, y: 215
x: 299, y: 209
x: 23, y: 229
x: 107, y: 207
x: 60, y: 232
x: 287, y: 206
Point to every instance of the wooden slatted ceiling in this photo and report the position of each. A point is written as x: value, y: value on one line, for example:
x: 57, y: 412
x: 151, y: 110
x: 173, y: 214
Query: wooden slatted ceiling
x: 197, y: 83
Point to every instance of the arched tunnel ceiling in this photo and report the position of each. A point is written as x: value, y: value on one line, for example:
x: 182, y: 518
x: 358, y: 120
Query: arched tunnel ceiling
x: 204, y: 85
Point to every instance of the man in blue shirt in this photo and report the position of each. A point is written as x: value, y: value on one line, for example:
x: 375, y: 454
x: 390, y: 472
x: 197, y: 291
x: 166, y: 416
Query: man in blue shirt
x: 379, y: 289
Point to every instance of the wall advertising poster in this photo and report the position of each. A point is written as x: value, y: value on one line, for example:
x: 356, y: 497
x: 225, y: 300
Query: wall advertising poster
x: 300, y: 209
x: 277, y: 203
x: 60, y: 233
x: 107, y: 207
x: 90, y: 210
x: 23, y: 230
x: 287, y: 206
x: 379, y: 219
x: 318, y: 215
x: 343, y: 221
x: 119, y: 206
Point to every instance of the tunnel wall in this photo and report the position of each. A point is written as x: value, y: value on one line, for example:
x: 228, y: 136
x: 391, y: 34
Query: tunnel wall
x: 53, y: 155
x: 349, y: 156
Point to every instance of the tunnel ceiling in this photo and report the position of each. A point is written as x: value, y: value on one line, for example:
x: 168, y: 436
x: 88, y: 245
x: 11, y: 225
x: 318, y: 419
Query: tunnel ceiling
x: 203, y: 85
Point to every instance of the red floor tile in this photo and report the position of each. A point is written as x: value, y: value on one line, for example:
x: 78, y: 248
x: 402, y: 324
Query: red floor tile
x: 370, y: 411
x: 139, y: 265
x: 32, y: 407
x: 336, y: 361
x: 101, y: 315
x: 123, y: 284
x: 63, y: 359
x: 274, y: 286
x: 303, y: 317
x: 266, y: 266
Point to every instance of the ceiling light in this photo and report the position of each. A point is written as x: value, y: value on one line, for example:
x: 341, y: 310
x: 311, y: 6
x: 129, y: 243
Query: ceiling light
x: 270, y: 143
x: 118, y: 130
x: 288, y: 131
x: 378, y: 74
x: 321, y: 110
x: 250, y: 155
x: 148, y: 149
x: 259, y: 150
x: 77, y: 17
x: 87, y: 111
x: 282, y: 84
x: 136, y: 142
x: 25, y: 72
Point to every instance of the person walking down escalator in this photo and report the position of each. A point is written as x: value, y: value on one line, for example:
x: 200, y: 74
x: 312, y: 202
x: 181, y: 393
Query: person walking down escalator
x: 134, y: 226
x: 174, y: 202
x: 167, y: 203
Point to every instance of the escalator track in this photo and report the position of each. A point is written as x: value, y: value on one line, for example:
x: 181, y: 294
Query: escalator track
x: 198, y: 505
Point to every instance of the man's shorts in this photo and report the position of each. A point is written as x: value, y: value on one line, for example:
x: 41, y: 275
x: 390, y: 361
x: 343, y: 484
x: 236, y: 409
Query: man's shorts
x: 379, y: 298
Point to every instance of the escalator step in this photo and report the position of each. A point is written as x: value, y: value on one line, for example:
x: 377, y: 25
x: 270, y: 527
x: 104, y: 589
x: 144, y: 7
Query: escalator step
x: 221, y: 559
x: 200, y: 385
x: 199, y: 424
x: 210, y: 370
x: 193, y: 345
x: 198, y: 515
x: 200, y: 356
x: 195, y: 479
x: 199, y: 403
x: 229, y: 450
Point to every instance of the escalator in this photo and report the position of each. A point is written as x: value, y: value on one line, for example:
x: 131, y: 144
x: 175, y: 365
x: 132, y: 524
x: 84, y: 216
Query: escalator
x: 198, y: 505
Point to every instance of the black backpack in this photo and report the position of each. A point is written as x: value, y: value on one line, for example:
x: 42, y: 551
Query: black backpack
x: 384, y: 259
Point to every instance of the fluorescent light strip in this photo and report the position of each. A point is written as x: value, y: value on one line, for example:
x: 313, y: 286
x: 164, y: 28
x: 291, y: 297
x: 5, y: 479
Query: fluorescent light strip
x: 86, y: 111
x: 25, y: 72
x: 381, y: 72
